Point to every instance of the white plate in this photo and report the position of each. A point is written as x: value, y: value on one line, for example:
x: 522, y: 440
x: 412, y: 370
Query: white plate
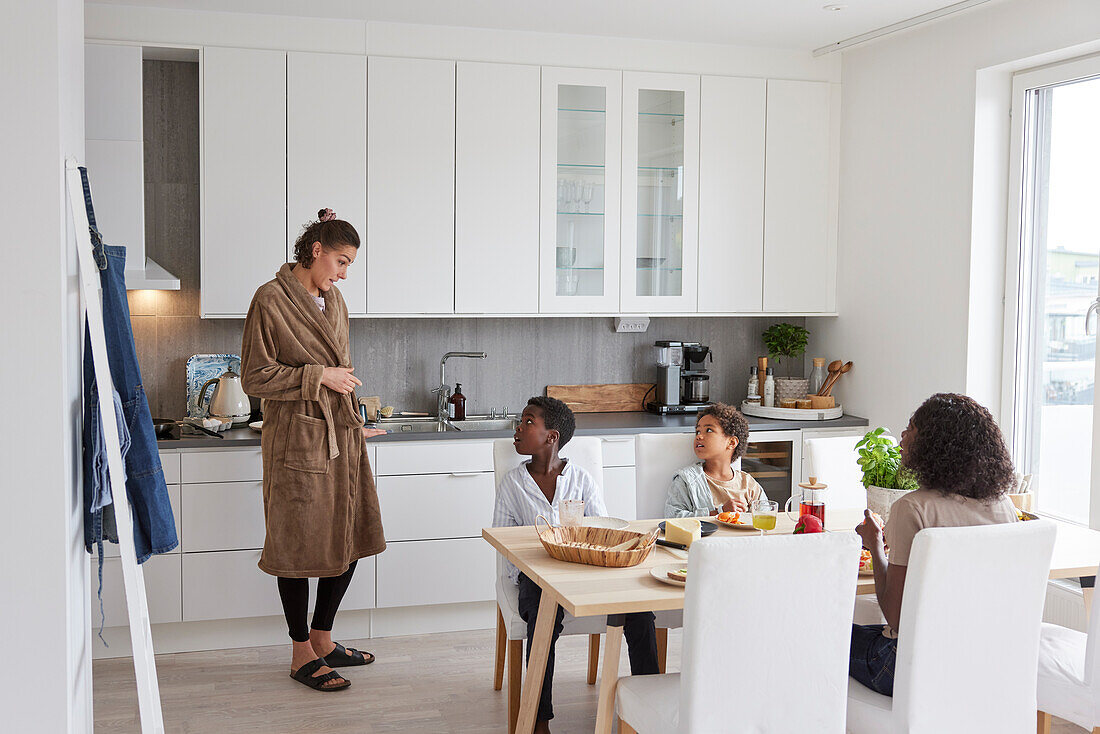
x: 615, y: 523
x: 256, y: 425
x: 746, y: 518
x: 661, y: 573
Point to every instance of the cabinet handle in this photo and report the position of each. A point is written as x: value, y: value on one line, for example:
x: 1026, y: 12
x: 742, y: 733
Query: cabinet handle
x: 466, y: 473
x: 615, y: 440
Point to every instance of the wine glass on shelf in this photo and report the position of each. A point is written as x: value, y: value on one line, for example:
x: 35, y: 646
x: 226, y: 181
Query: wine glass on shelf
x: 764, y: 513
x: 578, y: 194
x: 588, y: 191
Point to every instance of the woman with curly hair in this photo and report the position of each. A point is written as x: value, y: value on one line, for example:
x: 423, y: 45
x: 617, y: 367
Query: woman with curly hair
x: 955, y: 449
x: 712, y: 485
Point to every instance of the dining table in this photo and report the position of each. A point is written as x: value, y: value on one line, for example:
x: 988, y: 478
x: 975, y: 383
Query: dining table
x: 586, y: 590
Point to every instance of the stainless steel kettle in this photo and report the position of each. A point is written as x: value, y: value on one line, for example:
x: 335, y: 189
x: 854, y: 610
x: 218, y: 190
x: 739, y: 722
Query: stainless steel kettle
x: 228, y: 400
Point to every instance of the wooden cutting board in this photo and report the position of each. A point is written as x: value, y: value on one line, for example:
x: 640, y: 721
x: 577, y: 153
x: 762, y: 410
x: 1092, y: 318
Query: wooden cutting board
x: 600, y: 398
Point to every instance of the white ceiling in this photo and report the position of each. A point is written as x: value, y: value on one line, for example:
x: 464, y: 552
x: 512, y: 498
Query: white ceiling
x: 797, y: 24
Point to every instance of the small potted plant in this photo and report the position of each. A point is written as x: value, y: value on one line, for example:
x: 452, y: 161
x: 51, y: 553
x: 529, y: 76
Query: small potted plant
x: 786, y: 343
x: 884, y: 476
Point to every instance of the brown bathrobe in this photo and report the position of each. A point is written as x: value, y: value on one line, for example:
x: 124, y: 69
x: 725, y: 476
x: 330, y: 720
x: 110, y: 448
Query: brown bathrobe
x: 320, y: 504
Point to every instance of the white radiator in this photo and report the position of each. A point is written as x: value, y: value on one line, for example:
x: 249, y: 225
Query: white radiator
x: 1064, y: 605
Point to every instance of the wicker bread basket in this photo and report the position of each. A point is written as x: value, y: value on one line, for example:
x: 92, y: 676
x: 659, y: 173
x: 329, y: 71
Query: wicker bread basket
x: 556, y: 539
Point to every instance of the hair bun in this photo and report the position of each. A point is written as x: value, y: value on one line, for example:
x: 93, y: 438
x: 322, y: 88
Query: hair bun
x: 326, y: 215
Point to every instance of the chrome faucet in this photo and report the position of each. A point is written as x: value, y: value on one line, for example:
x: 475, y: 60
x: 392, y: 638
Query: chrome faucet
x: 444, y: 390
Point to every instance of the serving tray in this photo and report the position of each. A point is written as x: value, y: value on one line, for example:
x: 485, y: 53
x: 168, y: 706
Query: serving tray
x: 792, y: 414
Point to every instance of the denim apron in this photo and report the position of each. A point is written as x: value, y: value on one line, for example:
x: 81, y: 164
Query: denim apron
x: 154, y: 527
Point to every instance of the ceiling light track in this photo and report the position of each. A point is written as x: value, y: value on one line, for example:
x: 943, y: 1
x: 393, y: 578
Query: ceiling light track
x: 900, y: 26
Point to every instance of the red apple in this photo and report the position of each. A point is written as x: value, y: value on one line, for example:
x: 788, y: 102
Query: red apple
x: 808, y: 524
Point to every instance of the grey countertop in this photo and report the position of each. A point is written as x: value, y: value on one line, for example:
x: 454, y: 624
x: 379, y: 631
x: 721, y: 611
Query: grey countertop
x: 587, y: 424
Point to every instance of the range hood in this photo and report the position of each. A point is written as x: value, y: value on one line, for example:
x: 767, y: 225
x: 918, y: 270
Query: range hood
x: 115, y: 156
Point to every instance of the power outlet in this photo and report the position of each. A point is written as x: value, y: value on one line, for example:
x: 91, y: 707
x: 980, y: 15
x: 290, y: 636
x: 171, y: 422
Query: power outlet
x: 631, y: 324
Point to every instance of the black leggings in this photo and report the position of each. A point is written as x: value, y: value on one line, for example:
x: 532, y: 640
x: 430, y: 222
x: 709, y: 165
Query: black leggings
x: 295, y: 596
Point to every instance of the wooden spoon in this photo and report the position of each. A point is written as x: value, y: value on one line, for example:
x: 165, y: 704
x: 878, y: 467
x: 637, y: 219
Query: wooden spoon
x: 834, y: 370
x: 843, y: 370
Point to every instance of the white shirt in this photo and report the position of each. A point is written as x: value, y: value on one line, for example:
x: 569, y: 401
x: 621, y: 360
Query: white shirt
x: 520, y: 501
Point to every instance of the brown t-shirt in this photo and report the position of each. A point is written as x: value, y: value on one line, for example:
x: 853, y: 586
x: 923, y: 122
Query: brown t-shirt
x: 927, y: 508
x: 742, y: 488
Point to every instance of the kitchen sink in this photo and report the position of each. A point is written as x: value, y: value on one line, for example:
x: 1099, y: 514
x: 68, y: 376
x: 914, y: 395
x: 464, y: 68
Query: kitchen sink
x: 476, y: 423
x: 413, y: 425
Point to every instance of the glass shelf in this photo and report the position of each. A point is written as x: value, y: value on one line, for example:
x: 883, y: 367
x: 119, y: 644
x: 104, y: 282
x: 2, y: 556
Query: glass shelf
x: 565, y: 270
x: 582, y: 165
x: 582, y: 214
x: 661, y: 114
x: 660, y: 270
x: 663, y: 216
x: 579, y: 109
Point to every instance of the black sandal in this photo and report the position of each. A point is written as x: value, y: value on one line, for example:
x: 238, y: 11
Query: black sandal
x: 305, y: 675
x: 348, y: 656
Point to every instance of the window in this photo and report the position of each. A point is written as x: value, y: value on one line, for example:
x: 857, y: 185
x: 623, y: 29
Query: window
x: 1055, y: 233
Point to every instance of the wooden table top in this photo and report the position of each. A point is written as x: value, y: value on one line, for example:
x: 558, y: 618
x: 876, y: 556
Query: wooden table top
x: 584, y: 590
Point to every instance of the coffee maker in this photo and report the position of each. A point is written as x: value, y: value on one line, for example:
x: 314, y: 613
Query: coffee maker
x: 683, y: 385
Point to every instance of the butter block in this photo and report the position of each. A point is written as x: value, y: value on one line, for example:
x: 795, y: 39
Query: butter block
x: 684, y: 530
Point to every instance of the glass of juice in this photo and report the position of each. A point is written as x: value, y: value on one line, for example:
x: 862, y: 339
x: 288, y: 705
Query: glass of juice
x: 764, y: 513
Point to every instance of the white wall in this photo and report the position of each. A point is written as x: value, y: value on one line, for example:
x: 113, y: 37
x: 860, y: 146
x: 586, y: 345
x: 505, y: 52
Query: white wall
x: 43, y: 575
x: 191, y: 28
x: 904, y: 274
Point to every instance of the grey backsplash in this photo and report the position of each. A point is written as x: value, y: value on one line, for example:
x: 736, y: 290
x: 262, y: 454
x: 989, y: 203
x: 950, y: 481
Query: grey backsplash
x: 397, y: 359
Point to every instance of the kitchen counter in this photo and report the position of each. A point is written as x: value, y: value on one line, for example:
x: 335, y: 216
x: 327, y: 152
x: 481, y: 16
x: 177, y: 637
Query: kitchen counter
x: 603, y: 424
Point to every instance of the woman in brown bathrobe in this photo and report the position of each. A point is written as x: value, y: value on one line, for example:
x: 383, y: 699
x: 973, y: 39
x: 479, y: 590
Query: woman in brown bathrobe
x: 320, y: 504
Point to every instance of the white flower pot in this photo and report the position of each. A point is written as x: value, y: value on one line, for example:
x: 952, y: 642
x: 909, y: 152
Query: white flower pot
x: 879, y: 499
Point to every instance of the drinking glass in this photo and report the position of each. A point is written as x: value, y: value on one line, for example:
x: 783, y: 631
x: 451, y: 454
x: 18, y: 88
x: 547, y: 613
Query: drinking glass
x: 571, y: 512
x: 764, y: 513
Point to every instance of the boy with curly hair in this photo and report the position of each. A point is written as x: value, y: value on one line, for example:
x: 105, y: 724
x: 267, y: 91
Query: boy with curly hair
x: 712, y: 485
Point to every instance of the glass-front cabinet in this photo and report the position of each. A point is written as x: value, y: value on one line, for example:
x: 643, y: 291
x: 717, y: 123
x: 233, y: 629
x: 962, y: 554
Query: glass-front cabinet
x: 660, y: 202
x: 580, y: 192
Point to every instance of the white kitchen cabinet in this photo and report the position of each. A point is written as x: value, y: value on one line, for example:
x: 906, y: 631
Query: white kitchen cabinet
x: 497, y: 188
x: 434, y: 457
x: 410, y: 185
x: 326, y: 153
x: 163, y: 591
x: 800, y: 197
x: 223, y: 516
x: 243, y: 141
x: 226, y: 585
x: 618, y: 450
x: 660, y: 193
x: 113, y: 112
x: 170, y: 465
x: 233, y: 465
x: 579, y: 199
x: 731, y: 194
x: 436, y: 572
x: 619, y: 492
x: 433, y: 506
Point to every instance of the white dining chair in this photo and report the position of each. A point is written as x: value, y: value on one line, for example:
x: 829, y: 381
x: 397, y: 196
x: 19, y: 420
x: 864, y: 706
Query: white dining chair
x: 587, y: 452
x: 767, y: 623
x: 1069, y: 675
x: 968, y: 643
x: 657, y: 458
x: 833, y: 460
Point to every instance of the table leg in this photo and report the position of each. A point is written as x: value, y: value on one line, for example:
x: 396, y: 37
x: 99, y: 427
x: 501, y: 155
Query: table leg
x: 536, y: 664
x: 609, y: 678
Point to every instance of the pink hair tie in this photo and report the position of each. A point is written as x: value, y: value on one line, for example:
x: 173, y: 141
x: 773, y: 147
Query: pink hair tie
x: 327, y: 215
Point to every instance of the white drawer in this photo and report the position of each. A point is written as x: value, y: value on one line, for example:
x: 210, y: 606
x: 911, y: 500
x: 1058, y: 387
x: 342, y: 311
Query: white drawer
x: 434, y: 457
x: 428, y: 506
x: 232, y: 465
x: 110, y: 550
x: 162, y: 590
x: 620, y: 492
x: 436, y: 572
x: 170, y: 462
x: 360, y: 594
x: 222, y: 516
x: 226, y: 585
x: 618, y: 450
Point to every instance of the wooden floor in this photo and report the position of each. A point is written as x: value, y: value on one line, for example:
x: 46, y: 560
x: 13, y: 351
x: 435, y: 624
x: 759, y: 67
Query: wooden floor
x: 427, y: 683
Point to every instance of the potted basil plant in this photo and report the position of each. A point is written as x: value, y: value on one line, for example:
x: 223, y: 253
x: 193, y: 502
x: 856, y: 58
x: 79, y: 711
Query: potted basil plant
x: 787, y: 343
x: 884, y: 476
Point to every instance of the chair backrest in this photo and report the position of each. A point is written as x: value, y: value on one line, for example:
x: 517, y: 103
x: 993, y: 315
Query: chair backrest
x: 586, y: 451
x: 767, y: 625
x: 833, y: 461
x: 968, y: 644
x: 657, y: 458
